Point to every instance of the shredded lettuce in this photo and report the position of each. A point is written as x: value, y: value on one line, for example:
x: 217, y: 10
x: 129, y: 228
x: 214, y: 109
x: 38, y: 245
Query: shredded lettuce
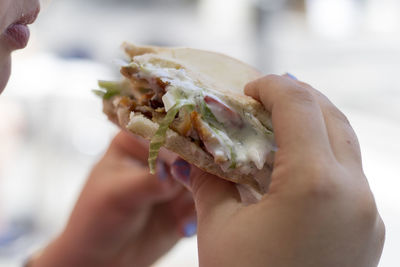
x: 233, y: 159
x: 209, y: 117
x: 108, y: 89
x: 258, y: 125
x: 159, y: 137
x: 110, y: 85
x: 105, y: 94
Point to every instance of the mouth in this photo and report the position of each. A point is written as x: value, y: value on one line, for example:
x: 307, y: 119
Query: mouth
x: 28, y: 18
x: 17, y: 34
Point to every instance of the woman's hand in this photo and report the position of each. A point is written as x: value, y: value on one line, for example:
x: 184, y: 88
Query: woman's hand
x: 124, y: 216
x: 319, y: 210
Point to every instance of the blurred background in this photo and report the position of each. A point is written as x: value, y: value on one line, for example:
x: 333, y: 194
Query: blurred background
x: 53, y: 130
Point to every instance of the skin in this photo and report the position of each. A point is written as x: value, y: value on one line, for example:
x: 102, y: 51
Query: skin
x: 10, y: 12
x: 319, y: 210
x: 6, y: 18
x: 124, y: 215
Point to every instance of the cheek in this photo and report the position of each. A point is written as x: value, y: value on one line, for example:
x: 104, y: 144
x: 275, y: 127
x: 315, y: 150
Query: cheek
x: 5, y: 69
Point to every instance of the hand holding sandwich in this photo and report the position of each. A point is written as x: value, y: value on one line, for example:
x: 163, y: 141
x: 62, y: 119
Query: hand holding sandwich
x: 124, y: 216
x: 319, y: 210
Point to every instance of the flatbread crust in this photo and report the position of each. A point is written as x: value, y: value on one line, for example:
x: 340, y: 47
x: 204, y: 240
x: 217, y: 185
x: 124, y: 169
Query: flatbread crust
x: 222, y: 73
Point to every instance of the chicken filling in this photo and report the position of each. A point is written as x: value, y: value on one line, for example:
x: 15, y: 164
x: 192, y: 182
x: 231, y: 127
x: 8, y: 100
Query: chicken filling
x: 168, y: 96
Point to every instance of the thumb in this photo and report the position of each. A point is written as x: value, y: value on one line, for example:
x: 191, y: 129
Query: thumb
x: 213, y: 196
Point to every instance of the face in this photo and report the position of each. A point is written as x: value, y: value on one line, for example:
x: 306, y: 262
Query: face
x: 15, y: 15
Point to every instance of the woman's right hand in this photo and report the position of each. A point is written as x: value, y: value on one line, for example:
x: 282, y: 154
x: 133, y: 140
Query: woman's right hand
x: 319, y: 210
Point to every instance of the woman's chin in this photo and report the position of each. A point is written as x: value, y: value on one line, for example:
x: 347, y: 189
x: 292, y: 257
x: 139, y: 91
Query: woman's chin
x: 5, y: 70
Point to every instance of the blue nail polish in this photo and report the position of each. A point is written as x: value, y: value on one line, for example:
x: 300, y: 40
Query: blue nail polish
x: 162, y: 170
x: 190, y: 229
x: 291, y: 76
x: 180, y: 169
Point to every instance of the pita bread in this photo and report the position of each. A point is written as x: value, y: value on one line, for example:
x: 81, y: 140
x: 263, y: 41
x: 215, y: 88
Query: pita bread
x: 224, y: 74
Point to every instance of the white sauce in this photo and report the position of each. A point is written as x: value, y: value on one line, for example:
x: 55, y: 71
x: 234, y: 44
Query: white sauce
x: 249, y: 143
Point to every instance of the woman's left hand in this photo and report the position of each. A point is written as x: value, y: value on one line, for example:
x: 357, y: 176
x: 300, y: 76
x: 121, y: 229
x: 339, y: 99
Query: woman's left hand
x: 124, y: 216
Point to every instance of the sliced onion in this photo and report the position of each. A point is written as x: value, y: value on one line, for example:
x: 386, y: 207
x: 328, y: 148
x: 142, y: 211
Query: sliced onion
x: 169, y: 100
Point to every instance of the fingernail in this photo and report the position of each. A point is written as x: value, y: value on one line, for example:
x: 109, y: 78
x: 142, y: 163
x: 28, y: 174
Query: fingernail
x: 162, y: 170
x: 180, y: 170
x: 190, y: 229
x: 291, y: 76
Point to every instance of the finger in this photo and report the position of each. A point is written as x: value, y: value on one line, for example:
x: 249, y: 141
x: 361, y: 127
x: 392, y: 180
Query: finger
x: 184, y: 212
x: 128, y: 144
x: 136, y: 187
x: 296, y: 116
x: 167, y: 223
x: 341, y: 135
x: 159, y: 234
x: 215, y: 199
x: 179, y: 213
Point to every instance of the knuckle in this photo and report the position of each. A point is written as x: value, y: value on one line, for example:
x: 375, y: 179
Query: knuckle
x: 273, y: 80
x: 320, y: 189
x: 272, y: 77
x: 308, y: 86
x: 269, y: 80
x: 330, y: 108
x: 336, y: 113
x: 366, y: 210
x: 381, y: 232
x: 320, y: 184
x: 300, y: 95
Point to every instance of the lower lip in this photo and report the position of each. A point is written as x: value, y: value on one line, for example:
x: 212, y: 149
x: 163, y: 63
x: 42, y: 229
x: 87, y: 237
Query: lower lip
x: 18, y: 36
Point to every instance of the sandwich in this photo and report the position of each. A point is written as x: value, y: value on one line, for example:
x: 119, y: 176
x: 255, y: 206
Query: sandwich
x: 192, y: 103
